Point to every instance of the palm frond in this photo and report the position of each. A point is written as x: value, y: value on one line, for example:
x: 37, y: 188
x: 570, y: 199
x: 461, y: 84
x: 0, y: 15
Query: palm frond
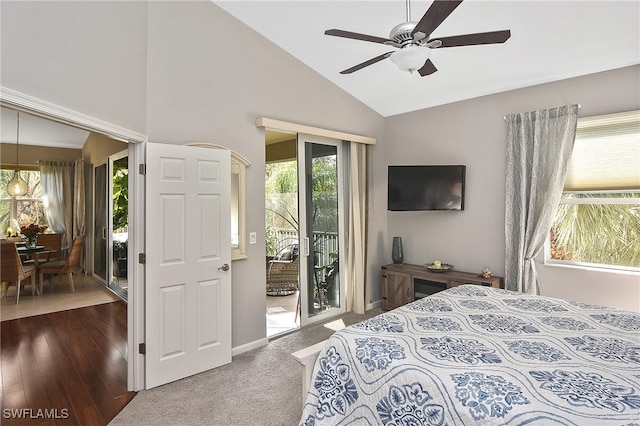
x: 598, y: 233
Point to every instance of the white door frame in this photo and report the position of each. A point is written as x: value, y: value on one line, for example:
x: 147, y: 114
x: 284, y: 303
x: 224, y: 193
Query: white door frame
x: 137, y: 142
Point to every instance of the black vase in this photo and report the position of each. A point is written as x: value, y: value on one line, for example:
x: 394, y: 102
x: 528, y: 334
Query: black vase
x: 397, y: 254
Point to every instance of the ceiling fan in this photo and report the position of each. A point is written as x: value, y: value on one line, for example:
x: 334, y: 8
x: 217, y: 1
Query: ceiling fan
x: 412, y: 39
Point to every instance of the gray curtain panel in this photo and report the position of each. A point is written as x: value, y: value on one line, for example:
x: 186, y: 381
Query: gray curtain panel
x: 78, y: 199
x: 539, y: 145
x: 79, y: 216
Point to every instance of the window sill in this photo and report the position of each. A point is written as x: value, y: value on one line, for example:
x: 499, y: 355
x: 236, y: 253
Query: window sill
x: 622, y: 270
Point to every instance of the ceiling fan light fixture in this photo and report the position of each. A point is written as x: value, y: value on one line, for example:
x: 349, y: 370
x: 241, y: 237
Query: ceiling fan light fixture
x: 411, y: 57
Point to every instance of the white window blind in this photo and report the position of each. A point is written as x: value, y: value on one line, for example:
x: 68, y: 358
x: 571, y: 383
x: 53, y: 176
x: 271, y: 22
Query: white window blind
x: 606, y: 154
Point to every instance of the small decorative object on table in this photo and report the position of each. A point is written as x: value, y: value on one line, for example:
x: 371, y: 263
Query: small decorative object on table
x: 438, y: 266
x: 13, y: 231
x: 31, y: 233
x: 486, y: 272
x: 397, y: 255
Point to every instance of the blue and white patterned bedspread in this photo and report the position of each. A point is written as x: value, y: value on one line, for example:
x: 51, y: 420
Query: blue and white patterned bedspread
x: 478, y: 355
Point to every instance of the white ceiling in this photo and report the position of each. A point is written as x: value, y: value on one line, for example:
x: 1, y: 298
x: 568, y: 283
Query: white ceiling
x: 550, y: 40
x: 39, y: 131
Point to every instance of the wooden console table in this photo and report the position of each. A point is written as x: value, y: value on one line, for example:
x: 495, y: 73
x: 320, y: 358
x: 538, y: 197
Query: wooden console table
x: 404, y: 283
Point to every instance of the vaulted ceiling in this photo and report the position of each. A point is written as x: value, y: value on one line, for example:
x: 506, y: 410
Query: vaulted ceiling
x: 550, y: 40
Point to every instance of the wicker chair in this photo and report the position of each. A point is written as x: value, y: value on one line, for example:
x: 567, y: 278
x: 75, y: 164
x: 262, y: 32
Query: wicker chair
x: 13, y: 272
x: 69, y: 266
x: 52, y: 242
x: 282, y: 277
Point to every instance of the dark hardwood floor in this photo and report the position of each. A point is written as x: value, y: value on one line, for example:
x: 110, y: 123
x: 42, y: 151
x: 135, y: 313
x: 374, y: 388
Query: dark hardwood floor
x: 65, y: 368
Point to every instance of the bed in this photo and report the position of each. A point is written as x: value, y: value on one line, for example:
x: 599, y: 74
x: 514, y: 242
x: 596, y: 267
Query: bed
x: 479, y: 355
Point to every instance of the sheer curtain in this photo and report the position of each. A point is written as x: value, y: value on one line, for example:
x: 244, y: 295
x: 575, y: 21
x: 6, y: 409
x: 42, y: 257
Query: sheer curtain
x: 356, y: 263
x: 60, y: 205
x: 538, y: 150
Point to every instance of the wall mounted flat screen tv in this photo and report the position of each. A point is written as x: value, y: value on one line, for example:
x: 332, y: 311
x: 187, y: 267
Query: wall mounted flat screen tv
x: 426, y: 187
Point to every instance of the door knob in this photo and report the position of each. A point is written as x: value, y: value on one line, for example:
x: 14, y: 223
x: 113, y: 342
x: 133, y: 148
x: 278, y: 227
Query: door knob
x: 224, y: 267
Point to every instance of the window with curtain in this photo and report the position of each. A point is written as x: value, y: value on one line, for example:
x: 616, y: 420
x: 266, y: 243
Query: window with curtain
x: 26, y: 209
x: 598, y: 218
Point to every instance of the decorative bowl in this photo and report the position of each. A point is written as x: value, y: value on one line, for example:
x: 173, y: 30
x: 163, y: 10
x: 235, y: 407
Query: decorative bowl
x: 444, y: 267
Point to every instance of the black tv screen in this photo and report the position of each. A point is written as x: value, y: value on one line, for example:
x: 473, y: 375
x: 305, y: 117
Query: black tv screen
x: 426, y: 187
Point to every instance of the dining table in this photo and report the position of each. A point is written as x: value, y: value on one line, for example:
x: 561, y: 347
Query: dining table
x: 32, y: 255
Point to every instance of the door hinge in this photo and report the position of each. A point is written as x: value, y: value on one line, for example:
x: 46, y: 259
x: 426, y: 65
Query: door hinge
x: 142, y: 258
x: 142, y: 348
x: 142, y: 169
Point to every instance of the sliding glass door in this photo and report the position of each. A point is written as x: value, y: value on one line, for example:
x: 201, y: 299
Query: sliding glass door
x: 119, y: 186
x: 322, y: 224
x: 100, y: 214
x: 110, y: 211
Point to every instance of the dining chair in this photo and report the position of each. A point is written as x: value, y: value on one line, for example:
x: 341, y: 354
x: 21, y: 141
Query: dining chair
x: 13, y: 272
x: 52, y: 245
x: 69, y: 266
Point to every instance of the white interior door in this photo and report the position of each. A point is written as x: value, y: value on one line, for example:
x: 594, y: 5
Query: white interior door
x: 188, y: 281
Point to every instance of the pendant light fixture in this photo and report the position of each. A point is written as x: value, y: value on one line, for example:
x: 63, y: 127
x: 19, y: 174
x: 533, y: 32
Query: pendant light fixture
x: 17, y: 186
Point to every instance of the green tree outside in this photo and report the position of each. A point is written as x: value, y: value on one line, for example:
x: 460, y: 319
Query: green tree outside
x: 28, y: 210
x: 607, y: 234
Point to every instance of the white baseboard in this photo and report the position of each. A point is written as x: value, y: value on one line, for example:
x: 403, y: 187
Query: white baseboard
x: 373, y: 305
x: 237, y: 350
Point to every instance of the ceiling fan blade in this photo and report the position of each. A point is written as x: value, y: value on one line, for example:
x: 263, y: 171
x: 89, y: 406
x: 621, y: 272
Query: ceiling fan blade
x: 358, y: 36
x: 427, y: 68
x: 434, y: 16
x: 366, y: 63
x: 475, y: 39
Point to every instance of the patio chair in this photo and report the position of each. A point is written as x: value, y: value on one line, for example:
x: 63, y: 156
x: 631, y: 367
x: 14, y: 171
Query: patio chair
x: 282, y: 273
x: 13, y: 272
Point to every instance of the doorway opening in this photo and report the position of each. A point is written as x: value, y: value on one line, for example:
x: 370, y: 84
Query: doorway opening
x: 282, y: 247
x: 304, y: 220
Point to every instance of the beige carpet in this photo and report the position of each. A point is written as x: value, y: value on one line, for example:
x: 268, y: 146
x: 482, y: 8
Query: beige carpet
x: 262, y: 387
x: 60, y: 299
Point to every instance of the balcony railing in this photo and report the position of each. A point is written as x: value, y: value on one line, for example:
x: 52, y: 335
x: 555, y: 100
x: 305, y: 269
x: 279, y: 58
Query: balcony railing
x: 322, y: 245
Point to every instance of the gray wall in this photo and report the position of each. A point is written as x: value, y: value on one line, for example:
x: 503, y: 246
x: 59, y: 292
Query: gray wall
x: 89, y: 57
x: 207, y: 86
x: 473, y: 132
